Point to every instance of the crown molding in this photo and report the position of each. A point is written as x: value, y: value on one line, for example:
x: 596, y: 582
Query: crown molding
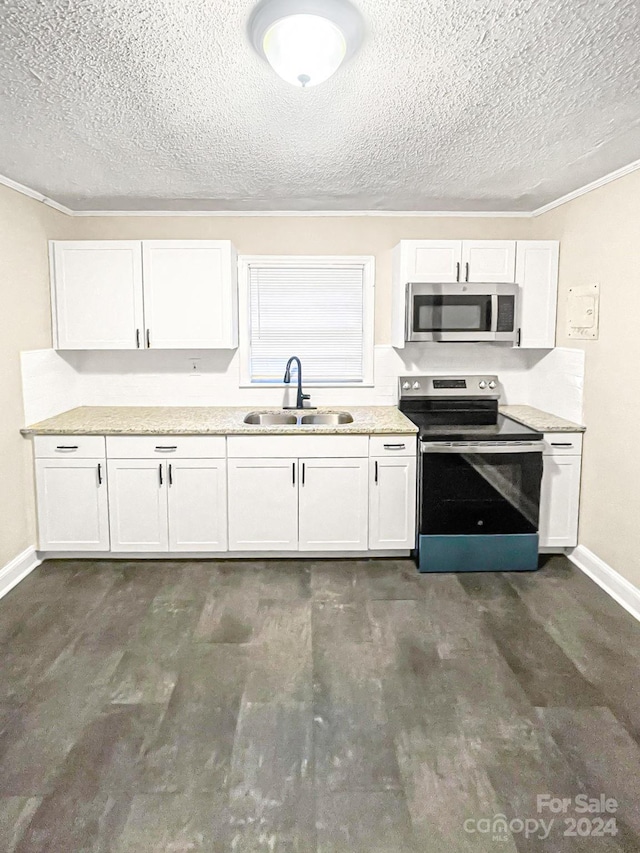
x: 406, y: 214
x: 34, y: 194
x: 587, y: 188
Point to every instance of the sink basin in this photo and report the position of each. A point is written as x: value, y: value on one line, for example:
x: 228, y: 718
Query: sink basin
x: 328, y: 418
x: 270, y: 419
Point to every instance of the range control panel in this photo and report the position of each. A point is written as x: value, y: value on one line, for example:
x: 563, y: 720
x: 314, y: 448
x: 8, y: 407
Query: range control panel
x: 450, y: 386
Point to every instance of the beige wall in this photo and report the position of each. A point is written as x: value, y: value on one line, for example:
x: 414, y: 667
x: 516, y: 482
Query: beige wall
x: 284, y: 235
x: 26, y: 324
x: 600, y: 243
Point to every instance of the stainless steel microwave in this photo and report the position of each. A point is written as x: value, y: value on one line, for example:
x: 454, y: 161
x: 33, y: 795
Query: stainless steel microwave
x: 462, y: 312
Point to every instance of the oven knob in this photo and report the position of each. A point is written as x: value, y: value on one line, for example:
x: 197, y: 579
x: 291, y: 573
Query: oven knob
x: 492, y: 385
x: 405, y: 386
x: 416, y: 385
x: 483, y: 384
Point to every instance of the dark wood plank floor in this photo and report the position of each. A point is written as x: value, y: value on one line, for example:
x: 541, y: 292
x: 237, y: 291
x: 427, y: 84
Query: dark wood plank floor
x: 337, y: 707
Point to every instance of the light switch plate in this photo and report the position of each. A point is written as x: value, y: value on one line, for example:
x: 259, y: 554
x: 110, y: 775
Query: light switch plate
x: 583, y: 312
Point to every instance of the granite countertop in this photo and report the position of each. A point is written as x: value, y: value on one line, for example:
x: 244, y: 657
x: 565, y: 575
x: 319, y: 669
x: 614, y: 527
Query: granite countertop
x: 211, y: 420
x: 539, y: 420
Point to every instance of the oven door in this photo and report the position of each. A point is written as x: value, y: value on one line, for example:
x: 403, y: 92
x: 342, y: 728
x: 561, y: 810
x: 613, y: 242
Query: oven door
x: 460, y: 312
x: 479, y: 505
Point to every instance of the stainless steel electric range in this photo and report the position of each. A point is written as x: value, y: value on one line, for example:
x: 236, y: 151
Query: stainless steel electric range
x: 479, y: 477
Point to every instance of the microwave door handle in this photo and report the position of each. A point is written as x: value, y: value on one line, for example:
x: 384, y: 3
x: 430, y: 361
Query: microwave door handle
x: 493, y: 313
x: 409, y: 313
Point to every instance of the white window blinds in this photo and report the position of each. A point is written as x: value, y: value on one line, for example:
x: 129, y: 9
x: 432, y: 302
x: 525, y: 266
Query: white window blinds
x: 316, y: 312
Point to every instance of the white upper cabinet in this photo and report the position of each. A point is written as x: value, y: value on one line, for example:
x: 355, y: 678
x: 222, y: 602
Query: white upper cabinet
x: 190, y: 289
x: 163, y: 294
x: 488, y: 260
x: 537, y: 275
x: 97, y: 294
x: 427, y: 260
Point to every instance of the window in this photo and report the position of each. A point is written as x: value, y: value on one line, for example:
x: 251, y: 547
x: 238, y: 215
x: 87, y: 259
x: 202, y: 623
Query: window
x: 320, y: 309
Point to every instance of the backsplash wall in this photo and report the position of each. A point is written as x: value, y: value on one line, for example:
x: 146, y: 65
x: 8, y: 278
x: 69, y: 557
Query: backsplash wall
x: 54, y: 382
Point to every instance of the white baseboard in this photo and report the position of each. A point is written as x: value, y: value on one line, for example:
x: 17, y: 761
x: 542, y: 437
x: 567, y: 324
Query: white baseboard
x: 17, y: 569
x: 613, y: 583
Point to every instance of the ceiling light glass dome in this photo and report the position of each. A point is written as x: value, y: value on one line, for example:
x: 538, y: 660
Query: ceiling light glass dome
x: 305, y: 41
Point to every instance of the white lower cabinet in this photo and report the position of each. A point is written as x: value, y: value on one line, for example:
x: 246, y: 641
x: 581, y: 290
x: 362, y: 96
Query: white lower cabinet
x: 168, y: 506
x: 138, y: 505
x: 263, y: 504
x: 560, y: 501
x: 73, y: 514
x: 333, y: 504
x: 392, y: 502
x: 197, y: 495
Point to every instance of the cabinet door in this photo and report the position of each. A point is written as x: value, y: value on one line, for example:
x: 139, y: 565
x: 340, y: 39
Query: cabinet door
x: 433, y: 260
x: 190, y: 294
x: 560, y: 501
x: 392, y: 502
x: 138, y: 505
x: 334, y: 504
x: 263, y: 504
x: 197, y: 491
x: 73, y: 513
x: 489, y: 260
x: 97, y: 294
x: 537, y: 275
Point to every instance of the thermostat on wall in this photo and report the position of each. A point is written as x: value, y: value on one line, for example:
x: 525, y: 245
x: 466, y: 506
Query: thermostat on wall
x: 583, y: 311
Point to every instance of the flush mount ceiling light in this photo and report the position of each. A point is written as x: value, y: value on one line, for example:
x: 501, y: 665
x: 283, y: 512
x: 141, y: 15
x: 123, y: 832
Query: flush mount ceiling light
x: 305, y: 41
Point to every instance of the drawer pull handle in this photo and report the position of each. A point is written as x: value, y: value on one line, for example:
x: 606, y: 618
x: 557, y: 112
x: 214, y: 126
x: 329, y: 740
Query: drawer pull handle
x: 166, y: 448
x: 394, y: 446
x: 561, y: 444
x: 67, y: 447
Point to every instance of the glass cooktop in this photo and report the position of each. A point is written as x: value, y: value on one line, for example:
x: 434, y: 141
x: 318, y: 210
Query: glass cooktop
x: 505, y: 429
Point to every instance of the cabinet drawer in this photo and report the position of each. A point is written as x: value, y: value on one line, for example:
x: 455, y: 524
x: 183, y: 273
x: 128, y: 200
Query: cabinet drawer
x: 562, y: 443
x: 60, y: 446
x: 392, y: 445
x: 296, y: 446
x: 166, y: 446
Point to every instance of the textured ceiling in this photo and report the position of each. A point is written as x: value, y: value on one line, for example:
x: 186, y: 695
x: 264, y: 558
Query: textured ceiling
x: 449, y: 105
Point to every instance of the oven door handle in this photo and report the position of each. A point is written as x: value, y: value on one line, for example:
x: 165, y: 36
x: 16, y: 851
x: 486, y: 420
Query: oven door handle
x: 506, y: 447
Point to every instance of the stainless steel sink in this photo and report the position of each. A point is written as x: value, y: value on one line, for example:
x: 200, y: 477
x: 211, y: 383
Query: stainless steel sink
x: 270, y: 419
x: 328, y: 418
